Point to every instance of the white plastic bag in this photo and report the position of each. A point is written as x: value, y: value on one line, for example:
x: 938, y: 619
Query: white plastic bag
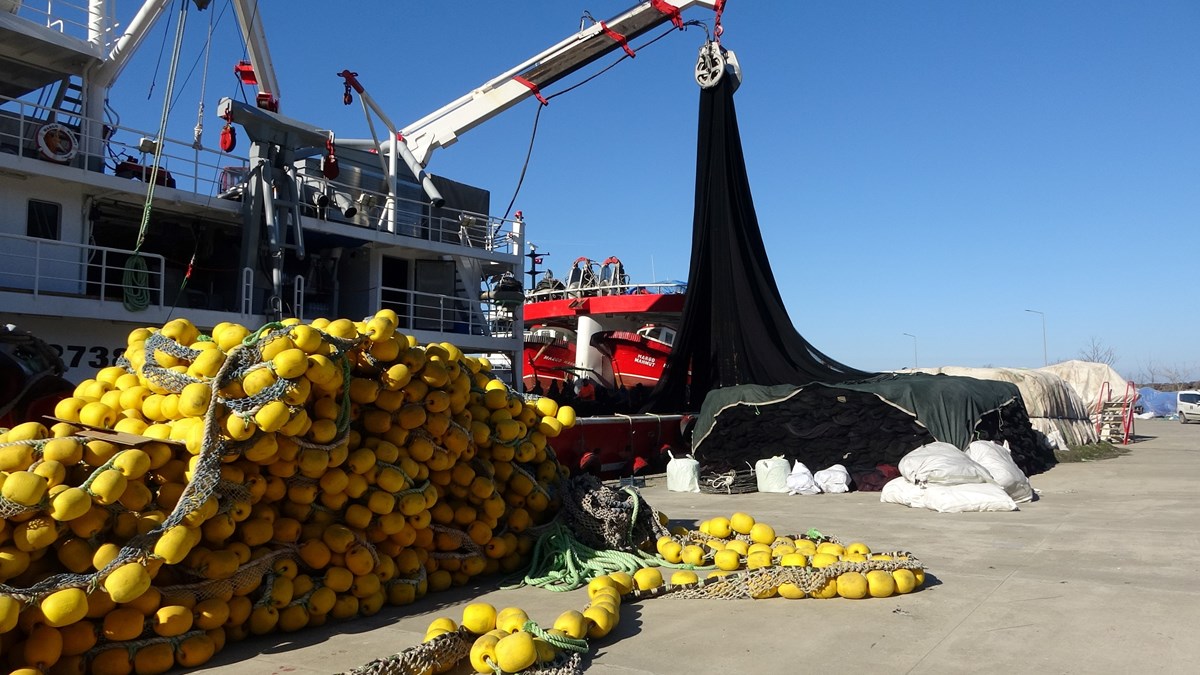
x: 772, y: 474
x: 998, y: 460
x: 833, y: 480
x: 800, y: 481
x: 900, y: 491
x: 942, y: 464
x: 683, y: 474
x: 967, y: 497
x: 947, y: 498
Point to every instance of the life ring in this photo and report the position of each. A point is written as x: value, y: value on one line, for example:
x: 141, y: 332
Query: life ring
x: 57, y: 142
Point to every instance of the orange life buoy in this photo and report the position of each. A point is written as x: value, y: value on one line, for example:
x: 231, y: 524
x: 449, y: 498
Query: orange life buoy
x: 57, y: 142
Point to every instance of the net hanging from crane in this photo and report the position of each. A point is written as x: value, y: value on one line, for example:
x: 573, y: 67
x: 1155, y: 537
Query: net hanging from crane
x: 734, y: 329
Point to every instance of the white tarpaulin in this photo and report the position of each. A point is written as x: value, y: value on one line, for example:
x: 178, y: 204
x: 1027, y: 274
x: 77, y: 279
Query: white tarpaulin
x: 1055, y: 408
x: 1089, y: 379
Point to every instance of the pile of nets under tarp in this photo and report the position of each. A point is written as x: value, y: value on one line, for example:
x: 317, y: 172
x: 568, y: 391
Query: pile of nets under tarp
x: 1156, y: 403
x: 1094, y: 382
x: 1055, y: 409
x: 863, y: 425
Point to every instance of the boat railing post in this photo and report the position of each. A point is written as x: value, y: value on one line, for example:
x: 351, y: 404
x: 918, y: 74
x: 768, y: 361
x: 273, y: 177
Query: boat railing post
x: 162, y: 281
x: 103, y: 275
x: 21, y: 130
x: 393, y: 202
x: 298, y: 296
x: 37, y: 267
x: 247, y: 290
x: 518, y: 234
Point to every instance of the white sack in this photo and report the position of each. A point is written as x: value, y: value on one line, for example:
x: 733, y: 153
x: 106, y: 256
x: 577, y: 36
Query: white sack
x: 998, y: 460
x: 833, y: 480
x: 683, y: 474
x: 940, y: 463
x: 967, y: 497
x: 772, y: 474
x: 900, y: 491
x: 801, y: 482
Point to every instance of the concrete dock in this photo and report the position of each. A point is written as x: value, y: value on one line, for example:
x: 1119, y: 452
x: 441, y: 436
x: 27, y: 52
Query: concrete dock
x: 1100, y: 575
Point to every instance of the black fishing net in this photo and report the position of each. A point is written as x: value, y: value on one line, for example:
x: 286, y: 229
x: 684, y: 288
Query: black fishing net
x: 735, y: 328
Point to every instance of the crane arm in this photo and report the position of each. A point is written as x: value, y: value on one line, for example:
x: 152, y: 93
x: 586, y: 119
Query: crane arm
x: 442, y: 127
x: 250, y: 23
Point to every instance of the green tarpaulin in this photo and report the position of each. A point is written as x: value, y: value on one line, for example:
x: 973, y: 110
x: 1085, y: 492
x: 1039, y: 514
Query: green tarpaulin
x: 949, y: 408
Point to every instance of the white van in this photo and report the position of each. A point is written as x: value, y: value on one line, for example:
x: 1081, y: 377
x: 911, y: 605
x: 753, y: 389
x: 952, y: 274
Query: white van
x: 1188, y: 406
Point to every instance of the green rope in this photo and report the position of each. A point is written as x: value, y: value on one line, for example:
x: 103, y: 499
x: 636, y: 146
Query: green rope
x: 560, y: 562
x: 628, y: 489
x: 135, y: 278
x: 253, y: 338
x: 567, y: 644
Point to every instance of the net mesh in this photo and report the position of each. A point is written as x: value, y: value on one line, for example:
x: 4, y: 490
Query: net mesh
x: 764, y: 581
x: 608, y: 518
x: 444, y: 651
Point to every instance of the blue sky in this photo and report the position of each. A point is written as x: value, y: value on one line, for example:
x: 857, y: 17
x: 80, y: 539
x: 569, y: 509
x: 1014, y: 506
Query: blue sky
x: 933, y: 168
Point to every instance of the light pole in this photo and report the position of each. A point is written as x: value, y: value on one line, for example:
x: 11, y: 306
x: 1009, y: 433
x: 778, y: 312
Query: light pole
x: 914, y: 337
x: 1045, y: 359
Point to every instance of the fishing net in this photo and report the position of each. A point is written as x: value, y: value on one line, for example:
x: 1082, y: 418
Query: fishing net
x: 444, y: 651
x: 763, y: 582
x: 608, y: 518
x: 729, y: 482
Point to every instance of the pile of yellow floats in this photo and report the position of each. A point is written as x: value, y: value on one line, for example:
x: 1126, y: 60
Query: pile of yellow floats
x: 240, y: 483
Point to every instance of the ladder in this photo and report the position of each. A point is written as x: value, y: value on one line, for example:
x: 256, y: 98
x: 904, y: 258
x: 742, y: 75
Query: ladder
x: 1114, y: 419
x: 68, y: 103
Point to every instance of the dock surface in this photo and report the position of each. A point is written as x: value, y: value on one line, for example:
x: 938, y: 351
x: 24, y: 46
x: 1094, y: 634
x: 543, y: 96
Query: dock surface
x: 1100, y: 575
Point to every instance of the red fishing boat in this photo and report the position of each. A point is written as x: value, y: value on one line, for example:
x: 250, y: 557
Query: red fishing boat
x: 599, y: 327
x: 602, y: 343
x: 636, y: 357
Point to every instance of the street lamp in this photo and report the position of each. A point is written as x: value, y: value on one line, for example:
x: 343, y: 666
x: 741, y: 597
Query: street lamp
x: 1045, y: 359
x: 914, y: 337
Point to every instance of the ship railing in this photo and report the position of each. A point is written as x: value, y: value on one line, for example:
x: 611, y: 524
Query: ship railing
x: 499, y: 319
x: 129, y: 153
x: 657, y: 288
x: 408, y: 217
x: 118, y: 150
x: 58, y: 268
x: 68, y: 18
x: 433, y: 312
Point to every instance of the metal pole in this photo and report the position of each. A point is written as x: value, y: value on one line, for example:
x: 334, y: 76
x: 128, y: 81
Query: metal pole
x: 914, y: 337
x: 1045, y: 354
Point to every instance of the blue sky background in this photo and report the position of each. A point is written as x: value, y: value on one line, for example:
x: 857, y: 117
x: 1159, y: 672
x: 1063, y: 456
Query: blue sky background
x: 933, y: 168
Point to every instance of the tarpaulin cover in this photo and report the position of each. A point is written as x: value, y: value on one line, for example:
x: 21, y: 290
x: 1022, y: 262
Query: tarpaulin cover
x: 734, y: 329
x: 949, y: 407
x: 864, y: 424
x: 1092, y: 381
x: 1055, y: 408
x: 1161, y: 403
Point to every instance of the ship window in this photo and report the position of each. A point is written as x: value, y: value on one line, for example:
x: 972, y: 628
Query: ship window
x: 43, y: 219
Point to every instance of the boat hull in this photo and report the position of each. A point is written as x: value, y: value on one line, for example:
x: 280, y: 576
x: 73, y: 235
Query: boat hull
x: 613, y: 446
x: 635, y: 359
x: 546, y: 362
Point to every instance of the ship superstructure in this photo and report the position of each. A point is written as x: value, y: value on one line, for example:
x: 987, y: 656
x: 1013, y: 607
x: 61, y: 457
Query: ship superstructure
x: 281, y: 222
